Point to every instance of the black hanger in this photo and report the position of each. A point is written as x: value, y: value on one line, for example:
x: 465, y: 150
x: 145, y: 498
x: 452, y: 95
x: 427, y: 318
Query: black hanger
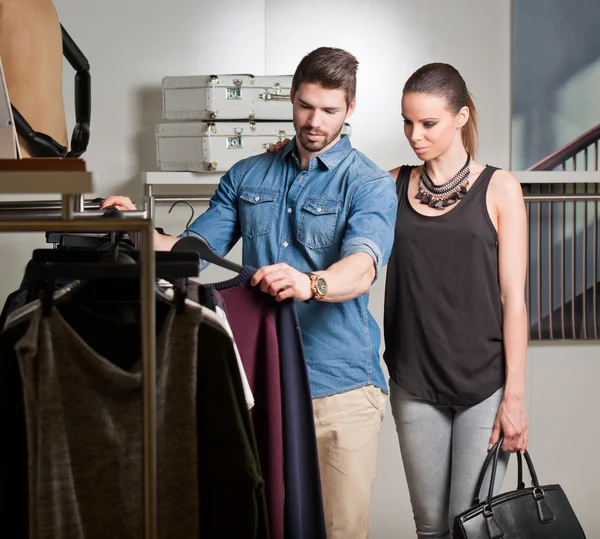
x: 90, y: 240
x: 191, y: 208
x: 48, y: 265
x: 197, y: 245
x: 180, y: 295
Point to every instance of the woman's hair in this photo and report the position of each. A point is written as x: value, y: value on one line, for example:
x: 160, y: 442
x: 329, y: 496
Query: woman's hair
x: 445, y: 81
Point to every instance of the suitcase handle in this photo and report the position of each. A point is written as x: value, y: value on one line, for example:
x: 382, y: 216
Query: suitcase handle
x: 274, y: 97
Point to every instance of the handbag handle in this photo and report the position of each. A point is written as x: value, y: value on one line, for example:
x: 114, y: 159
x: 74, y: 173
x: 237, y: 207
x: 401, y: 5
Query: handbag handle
x: 520, y: 483
x: 534, y: 477
x: 486, y: 463
x: 493, y: 455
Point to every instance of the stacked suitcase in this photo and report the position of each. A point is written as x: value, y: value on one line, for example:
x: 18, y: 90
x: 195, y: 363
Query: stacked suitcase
x: 216, y: 120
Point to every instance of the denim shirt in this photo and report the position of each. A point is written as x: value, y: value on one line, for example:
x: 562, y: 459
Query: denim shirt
x: 343, y: 204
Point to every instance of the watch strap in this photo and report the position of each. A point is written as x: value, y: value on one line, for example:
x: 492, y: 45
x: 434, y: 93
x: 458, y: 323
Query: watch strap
x: 313, y: 286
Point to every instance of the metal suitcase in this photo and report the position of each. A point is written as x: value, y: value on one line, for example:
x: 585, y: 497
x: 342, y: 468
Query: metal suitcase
x: 227, y: 97
x: 216, y: 146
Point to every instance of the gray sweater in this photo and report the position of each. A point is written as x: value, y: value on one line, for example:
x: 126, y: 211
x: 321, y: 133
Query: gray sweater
x: 84, y: 429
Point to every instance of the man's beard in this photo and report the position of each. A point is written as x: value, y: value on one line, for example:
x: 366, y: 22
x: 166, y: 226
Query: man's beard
x: 316, y: 145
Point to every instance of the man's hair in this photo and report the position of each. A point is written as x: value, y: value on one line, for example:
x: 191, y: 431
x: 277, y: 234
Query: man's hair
x: 331, y: 68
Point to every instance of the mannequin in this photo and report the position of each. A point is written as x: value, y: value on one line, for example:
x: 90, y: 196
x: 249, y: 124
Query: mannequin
x: 32, y: 43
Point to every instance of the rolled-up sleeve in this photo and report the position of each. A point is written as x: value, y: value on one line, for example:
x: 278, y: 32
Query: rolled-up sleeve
x: 219, y: 225
x: 371, y: 220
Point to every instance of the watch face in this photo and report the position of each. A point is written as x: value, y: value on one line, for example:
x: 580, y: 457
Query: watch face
x: 321, y: 286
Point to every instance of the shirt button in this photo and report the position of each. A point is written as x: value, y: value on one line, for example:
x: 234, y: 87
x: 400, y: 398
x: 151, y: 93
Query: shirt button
x: 289, y: 210
x: 318, y: 210
x: 257, y: 199
x: 285, y: 243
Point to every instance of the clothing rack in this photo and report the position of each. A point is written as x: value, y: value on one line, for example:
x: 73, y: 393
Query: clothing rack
x: 71, y: 216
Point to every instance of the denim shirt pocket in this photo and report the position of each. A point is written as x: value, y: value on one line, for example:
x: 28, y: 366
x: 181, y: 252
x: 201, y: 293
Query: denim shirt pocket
x: 257, y: 207
x: 318, y: 220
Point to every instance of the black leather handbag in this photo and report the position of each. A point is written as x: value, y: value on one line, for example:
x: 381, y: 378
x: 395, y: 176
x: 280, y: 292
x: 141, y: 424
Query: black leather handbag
x: 539, y: 512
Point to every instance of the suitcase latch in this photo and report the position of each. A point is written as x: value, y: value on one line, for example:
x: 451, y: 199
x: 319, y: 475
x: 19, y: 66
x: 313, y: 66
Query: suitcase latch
x: 237, y: 141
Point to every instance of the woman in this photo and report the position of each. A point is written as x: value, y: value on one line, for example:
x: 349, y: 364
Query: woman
x: 455, y: 318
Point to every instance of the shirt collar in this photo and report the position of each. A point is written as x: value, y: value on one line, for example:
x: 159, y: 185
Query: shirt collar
x: 330, y: 158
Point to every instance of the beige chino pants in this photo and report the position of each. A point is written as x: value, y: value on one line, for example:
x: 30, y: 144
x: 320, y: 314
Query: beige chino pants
x: 347, y: 427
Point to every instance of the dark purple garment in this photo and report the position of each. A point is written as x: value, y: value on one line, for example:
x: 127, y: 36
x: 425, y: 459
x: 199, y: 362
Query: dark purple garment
x: 255, y: 333
x: 303, y: 503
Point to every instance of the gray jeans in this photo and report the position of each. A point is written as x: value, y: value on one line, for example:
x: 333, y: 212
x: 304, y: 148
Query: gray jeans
x: 443, y: 449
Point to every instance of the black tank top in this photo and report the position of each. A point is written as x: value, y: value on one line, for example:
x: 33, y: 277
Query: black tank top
x: 443, y: 314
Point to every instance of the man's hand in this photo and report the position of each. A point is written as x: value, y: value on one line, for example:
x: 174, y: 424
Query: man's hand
x: 121, y: 203
x: 161, y: 242
x: 283, y: 282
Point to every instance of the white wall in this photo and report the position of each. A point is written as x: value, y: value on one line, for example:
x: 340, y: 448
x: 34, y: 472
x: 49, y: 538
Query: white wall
x: 131, y: 45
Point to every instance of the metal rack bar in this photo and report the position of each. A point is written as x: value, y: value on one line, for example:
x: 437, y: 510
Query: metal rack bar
x: 23, y: 215
x: 150, y: 201
x: 169, y: 199
x: 30, y: 205
x: 147, y: 284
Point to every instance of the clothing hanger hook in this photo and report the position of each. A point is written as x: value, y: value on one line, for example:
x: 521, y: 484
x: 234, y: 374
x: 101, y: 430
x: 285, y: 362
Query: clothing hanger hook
x: 191, y: 208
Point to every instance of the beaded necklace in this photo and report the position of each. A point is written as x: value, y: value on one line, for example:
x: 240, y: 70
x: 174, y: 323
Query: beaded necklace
x: 442, y: 196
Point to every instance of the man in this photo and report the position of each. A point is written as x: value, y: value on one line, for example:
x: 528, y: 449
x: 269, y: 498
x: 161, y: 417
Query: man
x: 318, y: 219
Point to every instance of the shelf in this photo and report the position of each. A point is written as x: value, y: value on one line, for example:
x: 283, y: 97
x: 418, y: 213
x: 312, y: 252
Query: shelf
x: 182, y: 178
x: 46, y: 182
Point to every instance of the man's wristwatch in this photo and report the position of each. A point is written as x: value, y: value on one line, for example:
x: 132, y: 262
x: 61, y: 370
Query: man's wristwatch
x: 318, y: 286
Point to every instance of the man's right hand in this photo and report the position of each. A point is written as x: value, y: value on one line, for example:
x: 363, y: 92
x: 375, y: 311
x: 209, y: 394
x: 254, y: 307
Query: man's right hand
x: 121, y: 203
x: 161, y: 242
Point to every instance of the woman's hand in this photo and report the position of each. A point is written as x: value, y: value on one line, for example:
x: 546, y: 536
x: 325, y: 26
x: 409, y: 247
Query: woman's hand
x: 511, y: 422
x: 278, y: 145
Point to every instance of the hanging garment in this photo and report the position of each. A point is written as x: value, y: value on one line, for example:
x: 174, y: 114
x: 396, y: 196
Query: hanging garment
x: 268, y: 336
x: 83, y: 412
x: 15, y: 300
x: 222, y: 316
x: 209, y: 298
x: 23, y: 296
